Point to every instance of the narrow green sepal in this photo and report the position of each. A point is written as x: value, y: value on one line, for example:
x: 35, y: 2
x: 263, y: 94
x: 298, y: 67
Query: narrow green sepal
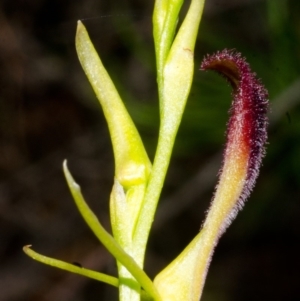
x: 107, y: 240
x: 71, y: 267
x: 77, y: 270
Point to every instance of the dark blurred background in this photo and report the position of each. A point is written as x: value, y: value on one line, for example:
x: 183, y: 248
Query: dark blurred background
x: 48, y: 112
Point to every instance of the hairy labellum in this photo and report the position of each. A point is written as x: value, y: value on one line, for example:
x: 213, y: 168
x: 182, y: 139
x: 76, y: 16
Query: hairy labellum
x: 246, y: 132
x: 246, y: 137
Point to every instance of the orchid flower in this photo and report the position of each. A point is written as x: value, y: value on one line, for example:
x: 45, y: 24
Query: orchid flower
x: 138, y: 182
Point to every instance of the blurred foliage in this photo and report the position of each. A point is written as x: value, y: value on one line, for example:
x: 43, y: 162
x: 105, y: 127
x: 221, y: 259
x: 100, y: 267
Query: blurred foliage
x: 48, y: 112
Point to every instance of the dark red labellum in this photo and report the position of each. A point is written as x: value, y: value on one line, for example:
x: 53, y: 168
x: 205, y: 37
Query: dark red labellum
x: 247, y: 126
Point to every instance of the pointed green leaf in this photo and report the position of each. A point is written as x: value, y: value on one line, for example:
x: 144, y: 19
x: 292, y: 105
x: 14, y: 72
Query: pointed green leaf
x: 132, y: 163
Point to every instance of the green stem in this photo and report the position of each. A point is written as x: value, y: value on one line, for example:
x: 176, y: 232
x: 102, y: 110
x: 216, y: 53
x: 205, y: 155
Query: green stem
x: 174, y: 83
x: 159, y: 171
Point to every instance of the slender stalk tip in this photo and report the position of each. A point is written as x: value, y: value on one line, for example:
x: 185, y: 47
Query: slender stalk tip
x: 25, y: 248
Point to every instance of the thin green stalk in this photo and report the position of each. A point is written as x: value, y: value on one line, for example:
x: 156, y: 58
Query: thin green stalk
x: 77, y: 270
x: 174, y: 85
x: 71, y: 267
x: 159, y: 171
